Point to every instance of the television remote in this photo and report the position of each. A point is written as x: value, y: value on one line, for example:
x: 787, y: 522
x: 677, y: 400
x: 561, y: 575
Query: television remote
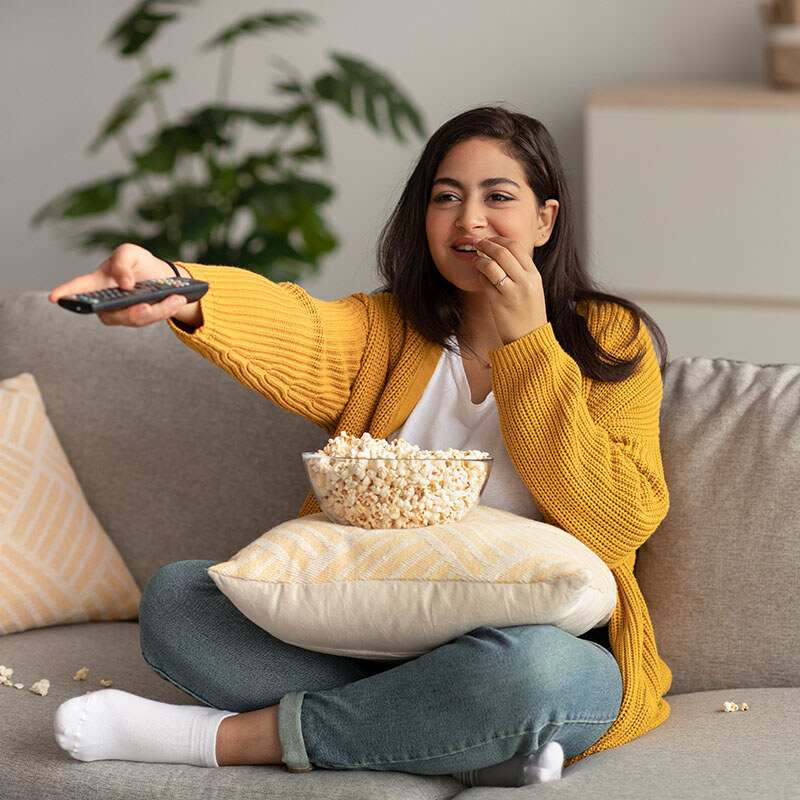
x: 143, y: 292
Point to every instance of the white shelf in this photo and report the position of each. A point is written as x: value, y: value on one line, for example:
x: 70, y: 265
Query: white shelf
x: 693, y: 210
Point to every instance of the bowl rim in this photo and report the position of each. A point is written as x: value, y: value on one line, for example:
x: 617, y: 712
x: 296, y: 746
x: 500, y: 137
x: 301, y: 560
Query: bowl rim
x: 308, y: 455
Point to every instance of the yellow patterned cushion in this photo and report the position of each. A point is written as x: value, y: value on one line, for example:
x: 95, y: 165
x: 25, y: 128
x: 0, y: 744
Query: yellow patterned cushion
x: 395, y: 594
x: 56, y: 563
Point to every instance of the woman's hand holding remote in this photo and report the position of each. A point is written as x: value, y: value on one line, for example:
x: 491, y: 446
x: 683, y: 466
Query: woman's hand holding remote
x: 128, y: 264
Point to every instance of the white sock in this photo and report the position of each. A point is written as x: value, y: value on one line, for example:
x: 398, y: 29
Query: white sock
x: 539, y: 767
x: 110, y: 724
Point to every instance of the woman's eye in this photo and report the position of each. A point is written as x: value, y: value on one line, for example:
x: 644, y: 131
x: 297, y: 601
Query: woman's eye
x: 444, y: 198
x: 449, y: 197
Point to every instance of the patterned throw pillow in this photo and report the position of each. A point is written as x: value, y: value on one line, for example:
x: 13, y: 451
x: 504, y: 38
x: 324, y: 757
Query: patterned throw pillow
x: 395, y: 594
x: 57, y: 564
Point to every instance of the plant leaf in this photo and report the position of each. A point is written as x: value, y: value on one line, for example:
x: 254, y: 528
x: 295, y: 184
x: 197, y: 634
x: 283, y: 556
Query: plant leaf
x: 286, y: 219
x: 126, y: 109
x: 328, y: 88
x: 306, y: 114
x: 206, y: 126
x: 293, y: 20
x: 272, y: 255
x: 192, y: 212
x: 310, y: 152
x: 254, y: 168
x: 262, y: 117
x: 197, y: 223
x: 374, y: 88
x: 162, y: 244
x: 279, y: 204
x: 105, y: 238
x: 93, y: 198
x: 160, y: 158
x: 289, y: 86
x: 318, y: 238
x: 136, y: 29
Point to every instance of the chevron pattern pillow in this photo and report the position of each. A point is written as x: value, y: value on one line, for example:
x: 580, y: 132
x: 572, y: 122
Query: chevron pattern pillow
x: 57, y: 564
x: 395, y: 594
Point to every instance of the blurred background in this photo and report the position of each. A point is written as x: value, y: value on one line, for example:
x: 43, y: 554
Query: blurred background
x: 562, y: 62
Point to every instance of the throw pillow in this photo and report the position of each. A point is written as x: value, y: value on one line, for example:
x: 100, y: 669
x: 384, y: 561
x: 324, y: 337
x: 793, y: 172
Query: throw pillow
x: 57, y: 564
x: 395, y: 594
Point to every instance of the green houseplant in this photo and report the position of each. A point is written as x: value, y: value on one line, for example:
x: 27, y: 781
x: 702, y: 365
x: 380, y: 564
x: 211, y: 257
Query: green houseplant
x: 190, y: 192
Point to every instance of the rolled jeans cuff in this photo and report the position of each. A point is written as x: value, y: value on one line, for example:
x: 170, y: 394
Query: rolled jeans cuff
x: 290, y: 733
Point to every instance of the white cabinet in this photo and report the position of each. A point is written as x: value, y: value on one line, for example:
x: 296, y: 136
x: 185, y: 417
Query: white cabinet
x: 693, y: 211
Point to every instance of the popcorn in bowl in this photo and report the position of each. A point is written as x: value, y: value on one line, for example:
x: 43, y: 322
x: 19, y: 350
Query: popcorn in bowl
x: 372, y: 483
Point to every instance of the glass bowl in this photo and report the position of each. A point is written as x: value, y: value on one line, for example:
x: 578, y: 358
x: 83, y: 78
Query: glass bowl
x: 396, y: 492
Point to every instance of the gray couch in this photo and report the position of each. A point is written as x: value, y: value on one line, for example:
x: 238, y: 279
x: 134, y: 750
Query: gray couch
x: 180, y: 461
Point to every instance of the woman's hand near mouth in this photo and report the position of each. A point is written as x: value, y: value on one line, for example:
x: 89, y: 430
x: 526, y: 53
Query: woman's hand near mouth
x: 518, y: 303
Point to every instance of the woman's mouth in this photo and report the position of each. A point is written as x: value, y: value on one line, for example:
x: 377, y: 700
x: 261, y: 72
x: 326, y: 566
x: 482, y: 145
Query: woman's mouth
x: 465, y: 252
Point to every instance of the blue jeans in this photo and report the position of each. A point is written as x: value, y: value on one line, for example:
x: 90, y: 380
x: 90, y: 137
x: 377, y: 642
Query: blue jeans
x: 488, y: 695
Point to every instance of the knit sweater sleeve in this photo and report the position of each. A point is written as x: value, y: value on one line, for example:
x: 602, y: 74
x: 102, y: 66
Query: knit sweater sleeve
x: 300, y: 353
x: 587, y: 450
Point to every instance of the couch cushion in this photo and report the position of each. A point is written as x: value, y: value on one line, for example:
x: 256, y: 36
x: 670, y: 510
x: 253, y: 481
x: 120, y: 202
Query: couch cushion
x: 699, y: 752
x: 721, y: 574
x: 208, y: 464
x: 56, y: 563
x: 33, y: 767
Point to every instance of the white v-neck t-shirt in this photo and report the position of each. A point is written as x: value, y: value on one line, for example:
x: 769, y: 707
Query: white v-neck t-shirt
x: 445, y: 417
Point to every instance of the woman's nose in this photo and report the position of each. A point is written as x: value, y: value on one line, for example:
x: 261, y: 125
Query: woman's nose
x: 471, y: 216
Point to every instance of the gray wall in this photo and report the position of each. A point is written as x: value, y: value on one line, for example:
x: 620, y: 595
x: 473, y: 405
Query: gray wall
x: 59, y: 82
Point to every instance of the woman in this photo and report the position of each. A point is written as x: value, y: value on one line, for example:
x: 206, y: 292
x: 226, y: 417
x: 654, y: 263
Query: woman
x: 487, y: 335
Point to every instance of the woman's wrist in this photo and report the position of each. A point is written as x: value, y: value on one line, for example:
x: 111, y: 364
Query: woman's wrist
x: 173, y: 268
x: 190, y: 315
x: 177, y: 269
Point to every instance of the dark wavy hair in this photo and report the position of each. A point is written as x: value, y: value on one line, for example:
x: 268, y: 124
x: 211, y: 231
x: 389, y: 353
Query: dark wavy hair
x: 430, y: 303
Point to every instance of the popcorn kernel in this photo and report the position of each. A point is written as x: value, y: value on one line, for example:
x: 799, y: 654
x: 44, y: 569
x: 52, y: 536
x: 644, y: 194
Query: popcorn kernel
x: 41, y: 687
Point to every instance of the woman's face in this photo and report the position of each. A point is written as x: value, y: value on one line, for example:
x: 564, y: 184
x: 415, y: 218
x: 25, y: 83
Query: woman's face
x: 478, y: 190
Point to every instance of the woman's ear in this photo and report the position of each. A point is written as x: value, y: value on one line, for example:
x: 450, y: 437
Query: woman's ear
x: 547, y: 219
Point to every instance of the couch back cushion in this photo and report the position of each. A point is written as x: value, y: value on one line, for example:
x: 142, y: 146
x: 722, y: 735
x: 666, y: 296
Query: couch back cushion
x: 176, y: 459
x: 721, y: 575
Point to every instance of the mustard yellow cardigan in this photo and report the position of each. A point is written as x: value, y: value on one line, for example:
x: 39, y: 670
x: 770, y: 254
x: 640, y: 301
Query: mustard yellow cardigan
x: 587, y: 450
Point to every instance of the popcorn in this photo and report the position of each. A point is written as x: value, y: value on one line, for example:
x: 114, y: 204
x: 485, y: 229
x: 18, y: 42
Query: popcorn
x: 5, y: 675
x: 733, y: 707
x: 40, y: 687
x: 105, y: 682
x: 81, y: 674
x: 429, y: 487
